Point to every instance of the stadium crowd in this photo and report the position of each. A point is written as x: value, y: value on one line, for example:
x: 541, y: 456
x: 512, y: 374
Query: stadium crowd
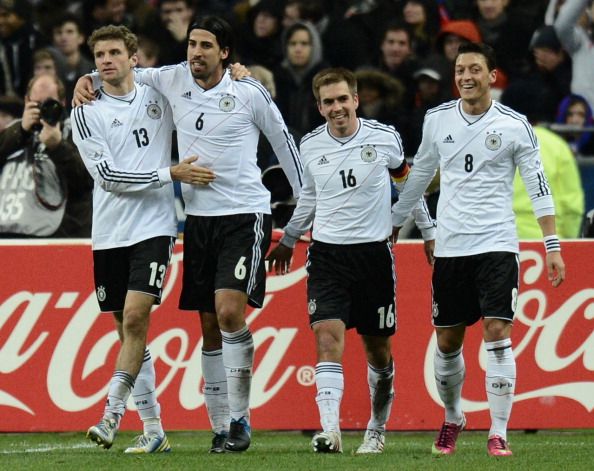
x: 401, y: 50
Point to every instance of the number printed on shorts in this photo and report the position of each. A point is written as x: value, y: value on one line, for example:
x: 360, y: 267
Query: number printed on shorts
x: 240, y: 269
x: 386, y: 319
x: 157, y: 274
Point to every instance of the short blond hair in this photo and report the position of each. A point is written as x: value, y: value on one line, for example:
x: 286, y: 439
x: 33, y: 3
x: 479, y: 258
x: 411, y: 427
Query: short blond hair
x: 112, y: 32
x: 333, y: 75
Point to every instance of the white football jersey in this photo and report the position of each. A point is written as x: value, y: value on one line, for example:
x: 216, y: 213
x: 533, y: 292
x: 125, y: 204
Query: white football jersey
x: 222, y: 126
x: 125, y: 143
x: 346, y: 189
x: 477, y: 162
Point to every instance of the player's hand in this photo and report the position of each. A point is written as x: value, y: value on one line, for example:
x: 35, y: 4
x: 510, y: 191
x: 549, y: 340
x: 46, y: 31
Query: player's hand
x: 429, y: 247
x: 555, y: 268
x: 83, y: 91
x: 394, y: 236
x: 187, y: 172
x: 239, y: 71
x: 279, y: 259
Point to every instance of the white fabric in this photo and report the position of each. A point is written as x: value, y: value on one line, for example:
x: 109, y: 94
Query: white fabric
x: 126, y: 147
x: 477, y: 163
x: 222, y: 126
x: 347, y: 185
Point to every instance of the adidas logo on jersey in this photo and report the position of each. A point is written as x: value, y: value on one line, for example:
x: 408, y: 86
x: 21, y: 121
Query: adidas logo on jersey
x: 187, y: 95
x: 323, y: 160
x: 448, y: 139
x: 116, y: 122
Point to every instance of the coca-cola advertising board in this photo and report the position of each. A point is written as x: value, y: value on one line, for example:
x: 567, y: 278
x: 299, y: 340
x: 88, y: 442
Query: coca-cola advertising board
x: 57, y: 351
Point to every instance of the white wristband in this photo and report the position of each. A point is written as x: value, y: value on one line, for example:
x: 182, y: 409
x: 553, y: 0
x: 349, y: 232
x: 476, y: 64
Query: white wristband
x: 551, y: 243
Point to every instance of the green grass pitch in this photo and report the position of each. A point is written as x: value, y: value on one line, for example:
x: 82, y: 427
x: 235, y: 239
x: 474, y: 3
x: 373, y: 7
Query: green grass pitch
x: 540, y: 451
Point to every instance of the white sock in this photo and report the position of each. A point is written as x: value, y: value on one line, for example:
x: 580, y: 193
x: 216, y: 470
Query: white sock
x: 381, y: 392
x: 238, y: 358
x: 215, y: 390
x: 500, y: 382
x: 145, y: 397
x: 119, y: 391
x: 330, y: 385
x: 450, y: 371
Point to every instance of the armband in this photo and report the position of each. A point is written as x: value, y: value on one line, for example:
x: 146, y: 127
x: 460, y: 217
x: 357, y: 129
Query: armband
x: 551, y: 243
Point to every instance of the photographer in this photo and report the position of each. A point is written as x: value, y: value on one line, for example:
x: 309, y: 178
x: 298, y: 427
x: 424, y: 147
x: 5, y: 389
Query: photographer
x: 45, y: 190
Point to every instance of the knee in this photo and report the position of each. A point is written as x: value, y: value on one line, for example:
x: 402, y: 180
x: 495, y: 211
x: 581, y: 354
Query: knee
x: 230, y: 319
x: 379, y: 357
x: 329, y: 345
x: 496, y: 330
x: 135, y: 322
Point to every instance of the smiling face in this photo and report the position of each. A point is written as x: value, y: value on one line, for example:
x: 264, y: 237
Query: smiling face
x: 338, y: 105
x: 205, y: 57
x: 474, y: 79
x: 113, y: 61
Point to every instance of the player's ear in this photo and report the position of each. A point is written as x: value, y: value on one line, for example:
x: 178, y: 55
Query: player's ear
x: 224, y: 53
x: 356, y: 100
x: 492, y: 76
x: 134, y: 60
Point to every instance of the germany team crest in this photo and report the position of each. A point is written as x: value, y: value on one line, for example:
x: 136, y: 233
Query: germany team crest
x: 227, y: 103
x: 153, y: 110
x: 493, y: 141
x: 368, y: 154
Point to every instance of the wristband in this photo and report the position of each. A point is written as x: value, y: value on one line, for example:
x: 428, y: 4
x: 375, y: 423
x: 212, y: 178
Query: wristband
x: 551, y: 243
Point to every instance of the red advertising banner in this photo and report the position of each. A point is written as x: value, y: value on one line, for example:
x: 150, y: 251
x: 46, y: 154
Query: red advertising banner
x: 57, y: 351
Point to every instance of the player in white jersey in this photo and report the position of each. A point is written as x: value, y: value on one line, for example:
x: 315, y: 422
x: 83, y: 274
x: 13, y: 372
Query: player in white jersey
x: 351, y: 278
x: 227, y: 231
x: 477, y: 144
x: 124, y: 138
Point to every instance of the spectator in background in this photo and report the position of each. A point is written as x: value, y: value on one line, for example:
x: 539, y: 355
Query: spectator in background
x: 148, y: 52
x: 67, y: 39
x: 560, y: 168
x: 260, y: 41
x: 509, y: 35
x: 11, y: 108
x: 431, y: 91
x: 44, y: 62
x: 303, y: 58
x: 572, y: 26
x: 550, y: 71
x: 292, y: 12
x: 168, y: 28
x: 398, y: 59
x: 18, y: 40
x: 41, y: 171
x: 380, y: 97
x: 575, y: 110
x: 104, y: 12
x: 423, y: 18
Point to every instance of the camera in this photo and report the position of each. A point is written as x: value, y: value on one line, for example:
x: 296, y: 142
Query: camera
x: 51, y: 111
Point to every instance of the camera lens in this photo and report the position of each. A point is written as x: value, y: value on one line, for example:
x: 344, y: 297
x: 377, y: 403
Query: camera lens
x: 51, y: 111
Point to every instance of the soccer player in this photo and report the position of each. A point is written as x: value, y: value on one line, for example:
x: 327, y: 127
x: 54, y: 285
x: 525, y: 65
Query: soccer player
x: 350, y: 265
x: 124, y: 138
x: 228, y: 228
x: 477, y: 144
